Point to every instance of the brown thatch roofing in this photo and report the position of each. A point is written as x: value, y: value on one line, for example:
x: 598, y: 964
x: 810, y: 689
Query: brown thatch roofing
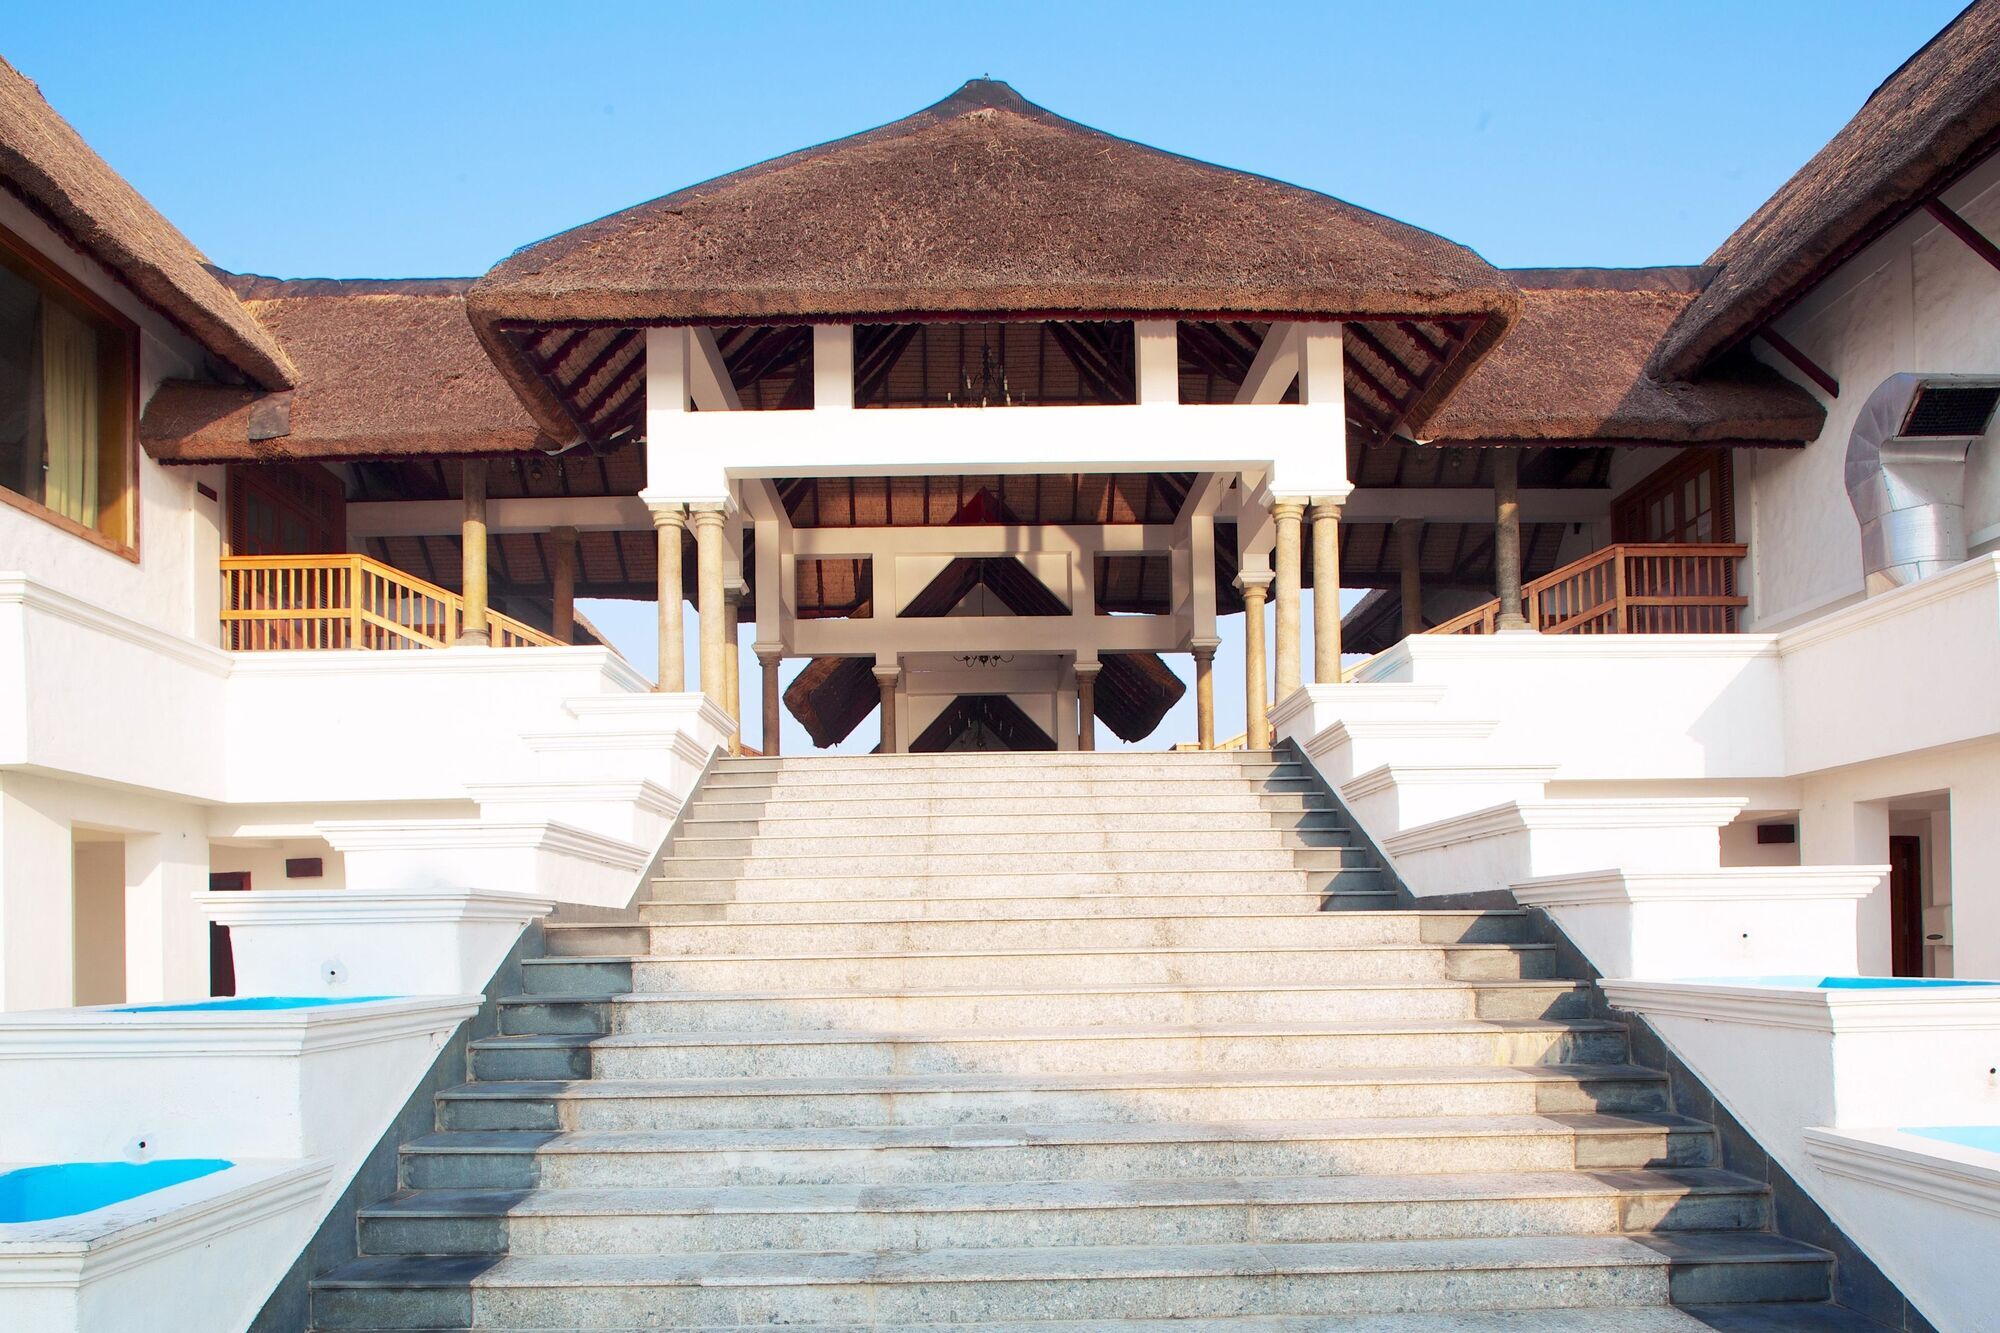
x: 984, y: 204
x: 385, y: 369
x: 1929, y: 122
x: 1573, y: 368
x: 54, y: 172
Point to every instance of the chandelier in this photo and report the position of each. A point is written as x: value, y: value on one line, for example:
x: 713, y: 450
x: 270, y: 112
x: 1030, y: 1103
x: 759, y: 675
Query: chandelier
x: 982, y: 659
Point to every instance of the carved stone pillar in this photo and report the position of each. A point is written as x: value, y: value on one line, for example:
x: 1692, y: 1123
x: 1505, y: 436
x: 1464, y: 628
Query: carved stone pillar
x: 1287, y: 515
x: 472, y: 626
x: 1204, y: 691
x: 886, y: 677
x: 708, y: 522
x: 1507, y: 539
x: 768, y: 658
x: 732, y: 663
x: 562, y: 581
x: 669, y: 521
x: 1326, y: 592
x: 1086, y: 704
x: 1256, y: 709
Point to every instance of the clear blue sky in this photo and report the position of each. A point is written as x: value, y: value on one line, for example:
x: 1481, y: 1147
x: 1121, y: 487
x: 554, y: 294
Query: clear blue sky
x: 393, y: 140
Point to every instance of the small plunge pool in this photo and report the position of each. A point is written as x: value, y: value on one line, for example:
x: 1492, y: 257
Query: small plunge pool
x: 1986, y: 1138
x: 64, y: 1189
x: 1846, y: 983
x: 248, y: 1004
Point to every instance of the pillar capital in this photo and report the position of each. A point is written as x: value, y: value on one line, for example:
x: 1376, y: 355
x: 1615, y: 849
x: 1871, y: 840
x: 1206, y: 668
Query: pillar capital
x: 1088, y: 670
x: 768, y: 654
x: 1288, y: 508
x: 708, y: 514
x: 1326, y: 508
x: 1258, y: 580
x: 887, y: 675
x: 1204, y: 649
x: 667, y: 516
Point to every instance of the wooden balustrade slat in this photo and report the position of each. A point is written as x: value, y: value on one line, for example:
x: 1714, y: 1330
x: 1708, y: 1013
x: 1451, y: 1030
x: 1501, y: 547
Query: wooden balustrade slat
x: 1632, y: 588
x: 300, y: 602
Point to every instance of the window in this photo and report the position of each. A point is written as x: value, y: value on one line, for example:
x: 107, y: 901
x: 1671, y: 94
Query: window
x: 67, y: 401
x: 1688, y: 500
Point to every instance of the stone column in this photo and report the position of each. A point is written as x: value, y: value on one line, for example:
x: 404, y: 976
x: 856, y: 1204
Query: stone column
x: 1256, y: 719
x: 732, y: 663
x: 886, y: 676
x: 1507, y: 539
x: 1287, y: 514
x: 1409, y: 556
x: 472, y: 630
x: 1086, y: 704
x: 1204, y: 691
x: 670, y: 522
x: 1326, y: 592
x: 708, y: 520
x: 562, y: 578
x: 769, y: 657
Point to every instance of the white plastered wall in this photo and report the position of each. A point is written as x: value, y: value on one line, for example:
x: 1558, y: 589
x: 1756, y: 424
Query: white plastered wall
x: 1920, y: 300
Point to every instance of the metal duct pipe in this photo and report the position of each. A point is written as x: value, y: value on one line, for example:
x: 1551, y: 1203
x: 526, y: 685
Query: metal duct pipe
x: 1906, y: 472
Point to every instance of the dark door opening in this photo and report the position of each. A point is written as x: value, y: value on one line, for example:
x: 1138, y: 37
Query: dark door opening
x: 1906, y: 905
x: 221, y: 953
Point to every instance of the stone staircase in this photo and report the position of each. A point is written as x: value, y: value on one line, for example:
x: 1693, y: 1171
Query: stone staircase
x: 1057, y: 1040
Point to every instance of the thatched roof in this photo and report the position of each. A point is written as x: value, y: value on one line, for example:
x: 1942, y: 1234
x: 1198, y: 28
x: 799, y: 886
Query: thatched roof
x: 54, y: 172
x: 386, y: 369
x: 983, y: 204
x: 1573, y: 368
x: 1932, y: 120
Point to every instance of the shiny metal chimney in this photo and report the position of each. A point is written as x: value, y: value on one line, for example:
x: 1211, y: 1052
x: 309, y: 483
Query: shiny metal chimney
x: 1906, y: 472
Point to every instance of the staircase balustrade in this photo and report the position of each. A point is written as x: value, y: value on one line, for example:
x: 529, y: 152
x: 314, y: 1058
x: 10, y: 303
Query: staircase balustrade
x: 305, y: 603
x: 1630, y: 588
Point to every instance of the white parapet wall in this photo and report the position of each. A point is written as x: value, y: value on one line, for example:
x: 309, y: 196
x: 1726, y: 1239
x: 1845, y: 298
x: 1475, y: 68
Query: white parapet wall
x: 1830, y: 1074
x: 345, y: 942
x: 292, y: 1096
x: 1751, y: 921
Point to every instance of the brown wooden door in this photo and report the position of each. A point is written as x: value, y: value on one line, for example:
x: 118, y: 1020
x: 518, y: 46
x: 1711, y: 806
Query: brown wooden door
x: 1906, y: 905
x: 221, y: 953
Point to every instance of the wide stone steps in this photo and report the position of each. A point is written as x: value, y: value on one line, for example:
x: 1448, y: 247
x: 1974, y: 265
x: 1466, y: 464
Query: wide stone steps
x: 1081, y: 1006
x: 1113, y: 1042
x: 1086, y: 1212
x: 1079, y: 1282
x: 1042, y: 930
x: 1223, y: 1047
x: 1163, y: 1097
x: 1027, y: 1151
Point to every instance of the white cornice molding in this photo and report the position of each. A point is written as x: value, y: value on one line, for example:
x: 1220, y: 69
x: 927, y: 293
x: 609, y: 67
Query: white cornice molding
x: 1512, y: 817
x: 93, y: 1034
x: 342, y: 907
x: 441, y: 662
x: 24, y: 592
x: 1809, y: 1009
x: 1364, y: 694
x: 137, y: 1232
x: 1734, y: 884
x: 1350, y: 730
x: 1592, y: 647
x: 544, y: 835
x: 1928, y: 1169
x: 644, y: 793
x: 1387, y: 776
x: 1983, y: 570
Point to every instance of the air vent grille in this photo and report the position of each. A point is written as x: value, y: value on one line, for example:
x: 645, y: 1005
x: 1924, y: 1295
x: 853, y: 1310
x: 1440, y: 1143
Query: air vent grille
x: 1945, y: 411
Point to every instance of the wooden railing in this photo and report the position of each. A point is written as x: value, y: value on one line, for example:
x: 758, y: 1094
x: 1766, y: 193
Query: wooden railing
x: 293, y: 603
x: 1663, y: 588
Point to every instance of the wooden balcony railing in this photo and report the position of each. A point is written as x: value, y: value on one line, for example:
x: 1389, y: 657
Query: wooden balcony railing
x: 294, y: 603
x: 1663, y: 588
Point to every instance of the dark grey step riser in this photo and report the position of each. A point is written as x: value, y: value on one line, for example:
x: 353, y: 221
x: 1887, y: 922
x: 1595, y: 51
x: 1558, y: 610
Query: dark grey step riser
x: 1154, y: 1296
x: 1124, y: 1054
x: 558, y: 1017
x: 1190, y: 1224
x: 1003, y: 1163
x: 1610, y: 1096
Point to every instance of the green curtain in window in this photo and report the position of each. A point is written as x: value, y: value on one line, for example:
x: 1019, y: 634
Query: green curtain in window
x: 69, y: 413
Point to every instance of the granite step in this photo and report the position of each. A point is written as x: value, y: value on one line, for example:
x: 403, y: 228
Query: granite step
x: 1072, y: 906
x: 1001, y: 760
x: 1165, y: 792
x: 1079, y: 1006
x: 711, y: 820
x: 697, y: 842
x: 1015, y: 858
x: 1023, y: 1151
x: 1087, y: 1212
x: 1039, y: 929
x: 1101, y: 1049
x: 955, y: 802
x: 1086, y: 1282
x: 991, y: 1098
x: 1018, y: 882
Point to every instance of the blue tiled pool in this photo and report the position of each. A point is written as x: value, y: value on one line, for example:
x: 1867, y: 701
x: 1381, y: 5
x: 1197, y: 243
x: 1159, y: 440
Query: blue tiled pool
x: 37, y: 1193
x: 249, y: 1004
x: 1986, y: 1138
x: 1847, y: 983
